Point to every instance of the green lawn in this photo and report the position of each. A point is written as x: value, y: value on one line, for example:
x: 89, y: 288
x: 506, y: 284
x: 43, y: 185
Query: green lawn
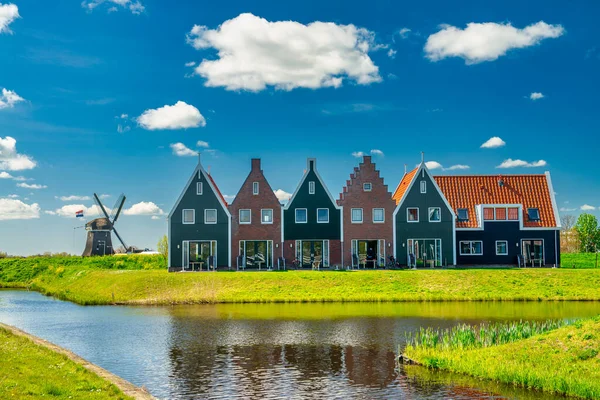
x: 578, y: 260
x: 30, y: 371
x: 564, y: 360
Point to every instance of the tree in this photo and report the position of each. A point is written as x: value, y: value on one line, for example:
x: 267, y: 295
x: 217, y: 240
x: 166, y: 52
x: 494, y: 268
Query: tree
x: 587, y: 230
x: 569, y: 240
x: 163, y: 246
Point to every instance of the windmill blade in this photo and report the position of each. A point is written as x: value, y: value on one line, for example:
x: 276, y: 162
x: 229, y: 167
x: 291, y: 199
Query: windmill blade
x: 99, y: 204
x: 118, y: 208
x: 120, y: 240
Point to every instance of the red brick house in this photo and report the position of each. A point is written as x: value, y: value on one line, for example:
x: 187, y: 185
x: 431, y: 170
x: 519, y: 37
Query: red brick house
x: 367, y: 212
x: 255, y: 223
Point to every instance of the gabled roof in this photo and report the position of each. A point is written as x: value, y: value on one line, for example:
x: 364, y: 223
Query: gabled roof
x: 404, y: 185
x: 530, y: 191
x: 217, y: 190
x: 306, y: 172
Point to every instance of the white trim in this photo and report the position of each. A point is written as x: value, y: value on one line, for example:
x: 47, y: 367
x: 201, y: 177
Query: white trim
x: 308, y: 160
x: 169, y: 254
x: 322, y: 222
x: 199, y: 188
x: 255, y: 185
x: 216, y: 216
x: 296, y: 216
x: 373, y: 215
x: 262, y: 221
x: 423, y: 186
x: 352, y: 216
x: 240, y: 216
x: 471, y: 247
x: 311, y: 187
x: 370, y: 186
x: 501, y: 254
x: 429, y: 214
x: 408, y: 213
x: 534, y: 239
x: 553, y: 200
x: 193, y: 216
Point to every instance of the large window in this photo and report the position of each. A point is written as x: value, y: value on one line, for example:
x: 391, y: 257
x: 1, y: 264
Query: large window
x: 301, y: 217
x: 255, y: 188
x: 435, y: 214
x: 311, y: 187
x: 322, y: 215
x: 533, y: 214
x: 245, y: 216
x: 266, y: 216
x: 357, y: 215
x: 463, y: 214
x: 210, y: 216
x: 501, y: 213
x: 367, y: 187
x: 189, y: 216
x: 423, y: 186
x: 412, y: 214
x: 471, y: 248
x: 501, y: 248
x: 199, y: 188
x: 378, y: 215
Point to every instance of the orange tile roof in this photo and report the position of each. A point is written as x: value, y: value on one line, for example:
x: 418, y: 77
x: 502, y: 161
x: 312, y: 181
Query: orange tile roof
x: 217, y: 189
x: 403, y: 185
x: 532, y: 191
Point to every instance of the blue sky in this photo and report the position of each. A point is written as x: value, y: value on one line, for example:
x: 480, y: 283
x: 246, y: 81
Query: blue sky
x: 86, y: 85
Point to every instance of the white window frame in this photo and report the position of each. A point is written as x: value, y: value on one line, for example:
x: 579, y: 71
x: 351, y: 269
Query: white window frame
x: 296, y: 216
x: 262, y: 220
x: 193, y: 216
x: 382, y: 213
x: 429, y: 214
x: 501, y: 241
x: 255, y: 188
x: 311, y: 187
x: 199, y: 188
x: 365, y: 187
x: 408, y: 213
x: 240, y: 216
x: 322, y: 222
x: 423, y: 186
x: 471, y: 247
x: 216, y: 216
x: 352, y: 216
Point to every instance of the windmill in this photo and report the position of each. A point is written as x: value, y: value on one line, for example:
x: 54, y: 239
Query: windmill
x: 99, y: 240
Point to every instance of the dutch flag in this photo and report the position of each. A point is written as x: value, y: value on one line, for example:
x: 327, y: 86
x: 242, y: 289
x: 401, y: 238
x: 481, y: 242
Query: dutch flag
x: 79, y: 214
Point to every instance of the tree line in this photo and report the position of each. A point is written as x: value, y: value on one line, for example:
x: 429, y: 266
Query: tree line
x: 580, y: 234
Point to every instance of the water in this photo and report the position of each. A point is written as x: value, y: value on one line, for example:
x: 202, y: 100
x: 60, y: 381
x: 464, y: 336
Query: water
x: 289, y: 351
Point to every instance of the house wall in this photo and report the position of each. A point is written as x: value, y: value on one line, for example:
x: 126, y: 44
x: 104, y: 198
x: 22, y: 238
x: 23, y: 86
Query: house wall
x: 178, y: 232
x: 424, y: 229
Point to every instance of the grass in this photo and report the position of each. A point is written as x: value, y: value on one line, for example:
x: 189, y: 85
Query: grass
x: 579, y: 260
x: 31, y: 371
x: 556, y: 357
x: 141, y: 280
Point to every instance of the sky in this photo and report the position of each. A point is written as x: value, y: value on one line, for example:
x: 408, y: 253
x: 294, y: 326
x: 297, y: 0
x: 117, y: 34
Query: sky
x: 119, y: 96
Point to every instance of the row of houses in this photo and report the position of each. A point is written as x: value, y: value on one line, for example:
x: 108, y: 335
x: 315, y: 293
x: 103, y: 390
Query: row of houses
x: 428, y: 221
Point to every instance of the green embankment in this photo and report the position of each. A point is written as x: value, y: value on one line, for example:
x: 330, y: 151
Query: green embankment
x: 136, y: 280
x: 563, y: 360
x: 31, y: 371
x: 579, y: 260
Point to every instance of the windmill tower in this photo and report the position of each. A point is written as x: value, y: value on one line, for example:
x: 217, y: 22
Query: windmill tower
x: 99, y: 230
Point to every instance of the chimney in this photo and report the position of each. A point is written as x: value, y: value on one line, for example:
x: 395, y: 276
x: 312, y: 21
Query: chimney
x: 256, y: 164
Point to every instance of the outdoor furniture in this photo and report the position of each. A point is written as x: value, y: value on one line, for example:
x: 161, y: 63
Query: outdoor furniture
x: 316, y: 264
x: 431, y: 263
x: 259, y: 264
x: 281, y: 263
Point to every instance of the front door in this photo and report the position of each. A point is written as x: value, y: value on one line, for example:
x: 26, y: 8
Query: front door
x: 424, y: 252
x: 533, y: 251
x: 312, y: 251
x: 101, y: 247
x: 258, y: 253
x: 196, y: 254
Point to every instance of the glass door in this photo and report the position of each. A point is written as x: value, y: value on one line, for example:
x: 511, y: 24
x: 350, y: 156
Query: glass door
x: 317, y: 248
x: 307, y: 254
x: 533, y: 251
x: 424, y: 252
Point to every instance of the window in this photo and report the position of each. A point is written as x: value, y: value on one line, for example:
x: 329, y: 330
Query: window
x: 423, y: 186
x: 463, y: 214
x: 266, y: 216
x: 533, y: 214
x: 488, y: 214
x: 513, y: 214
x: 301, y: 215
x: 255, y: 188
x: 357, y: 215
x: 210, y: 216
x: 435, y: 214
x: 367, y: 187
x: 189, y: 216
x: 500, y: 214
x: 245, y: 216
x: 199, y: 188
x: 311, y: 187
x: 471, y: 248
x: 412, y: 214
x: 378, y: 215
x: 501, y: 248
x: 322, y: 215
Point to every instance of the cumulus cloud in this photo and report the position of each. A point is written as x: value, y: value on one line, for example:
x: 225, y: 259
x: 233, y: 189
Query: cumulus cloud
x: 181, y: 150
x: 282, y: 195
x: 202, y: 143
x: 437, y: 165
x: 377, y: 152
x: 190, y: 64
x: 143, y: 208
x: 9, y: 98
x: 69, y: 210
x: 433, y: 165
x: 565, y: 209
x: 8, y: 13
x: 178, y: 116
x: 404, y: 32
x: 10, y: 160
x: 34, y: 186
x: 392, y: 53
x: 5, y: 175
x: 74, y: 198
x: 358, y: 154
x: 587, y: 207
x: 13, y: 196
x: 135, y: 6
x: 480, y: 42
x: 536, y: 96
x: 510, y: 163
x: 253, y: 53
x: 11, y: 209
x: 457, y: 167
x: 493, y: 142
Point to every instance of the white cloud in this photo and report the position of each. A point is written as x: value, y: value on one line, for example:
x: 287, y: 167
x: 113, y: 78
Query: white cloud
x: 11, y: 209
x: 202, y: 143
x: 457, y: 167
x: 404, y: 32
x: 433, y: 165
x: 493, y: 143
x: 69, y: 210
x: 123, y: 128
x: 8, y: 13
x: 143, y: 208
x: 155, y: 217
x: 104, y: 196
x: 32, y: 186
x: 377, y: 152
x: 229, y: 197
x: 587, y: 207
x: 180, y: 150
x: 190, y: 64
x: 358, y: 154
x: 536, y: 96
x: 74, y: 198
x: 254, y: 53
x: 565, y: 209
x: 135, y: 6
x: 13, y: 196
x: 5, y: 175
x: 392, y: 53
x: 178, y: 116
x: 282, y: 195
x: 480, y: 42
x: 510, y: 163
x: 437, y: 165
x: 11, y: 160
x: 8, y: 99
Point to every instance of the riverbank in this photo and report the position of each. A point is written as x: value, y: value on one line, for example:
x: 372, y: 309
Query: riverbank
x: 32, y: 367
x: 92, y: 286
x: 564, y: 360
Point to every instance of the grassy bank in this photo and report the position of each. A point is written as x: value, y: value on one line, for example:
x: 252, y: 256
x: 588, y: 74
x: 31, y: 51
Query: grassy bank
x: 137, y: 282
x: 31, y: 371
x: 545, y: 357
x: 578, y: 260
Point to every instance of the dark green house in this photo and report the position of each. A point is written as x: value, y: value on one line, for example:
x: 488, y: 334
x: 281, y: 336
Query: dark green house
x: 312, y: 223
x: 199, y: 226
x: 424, y: 229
